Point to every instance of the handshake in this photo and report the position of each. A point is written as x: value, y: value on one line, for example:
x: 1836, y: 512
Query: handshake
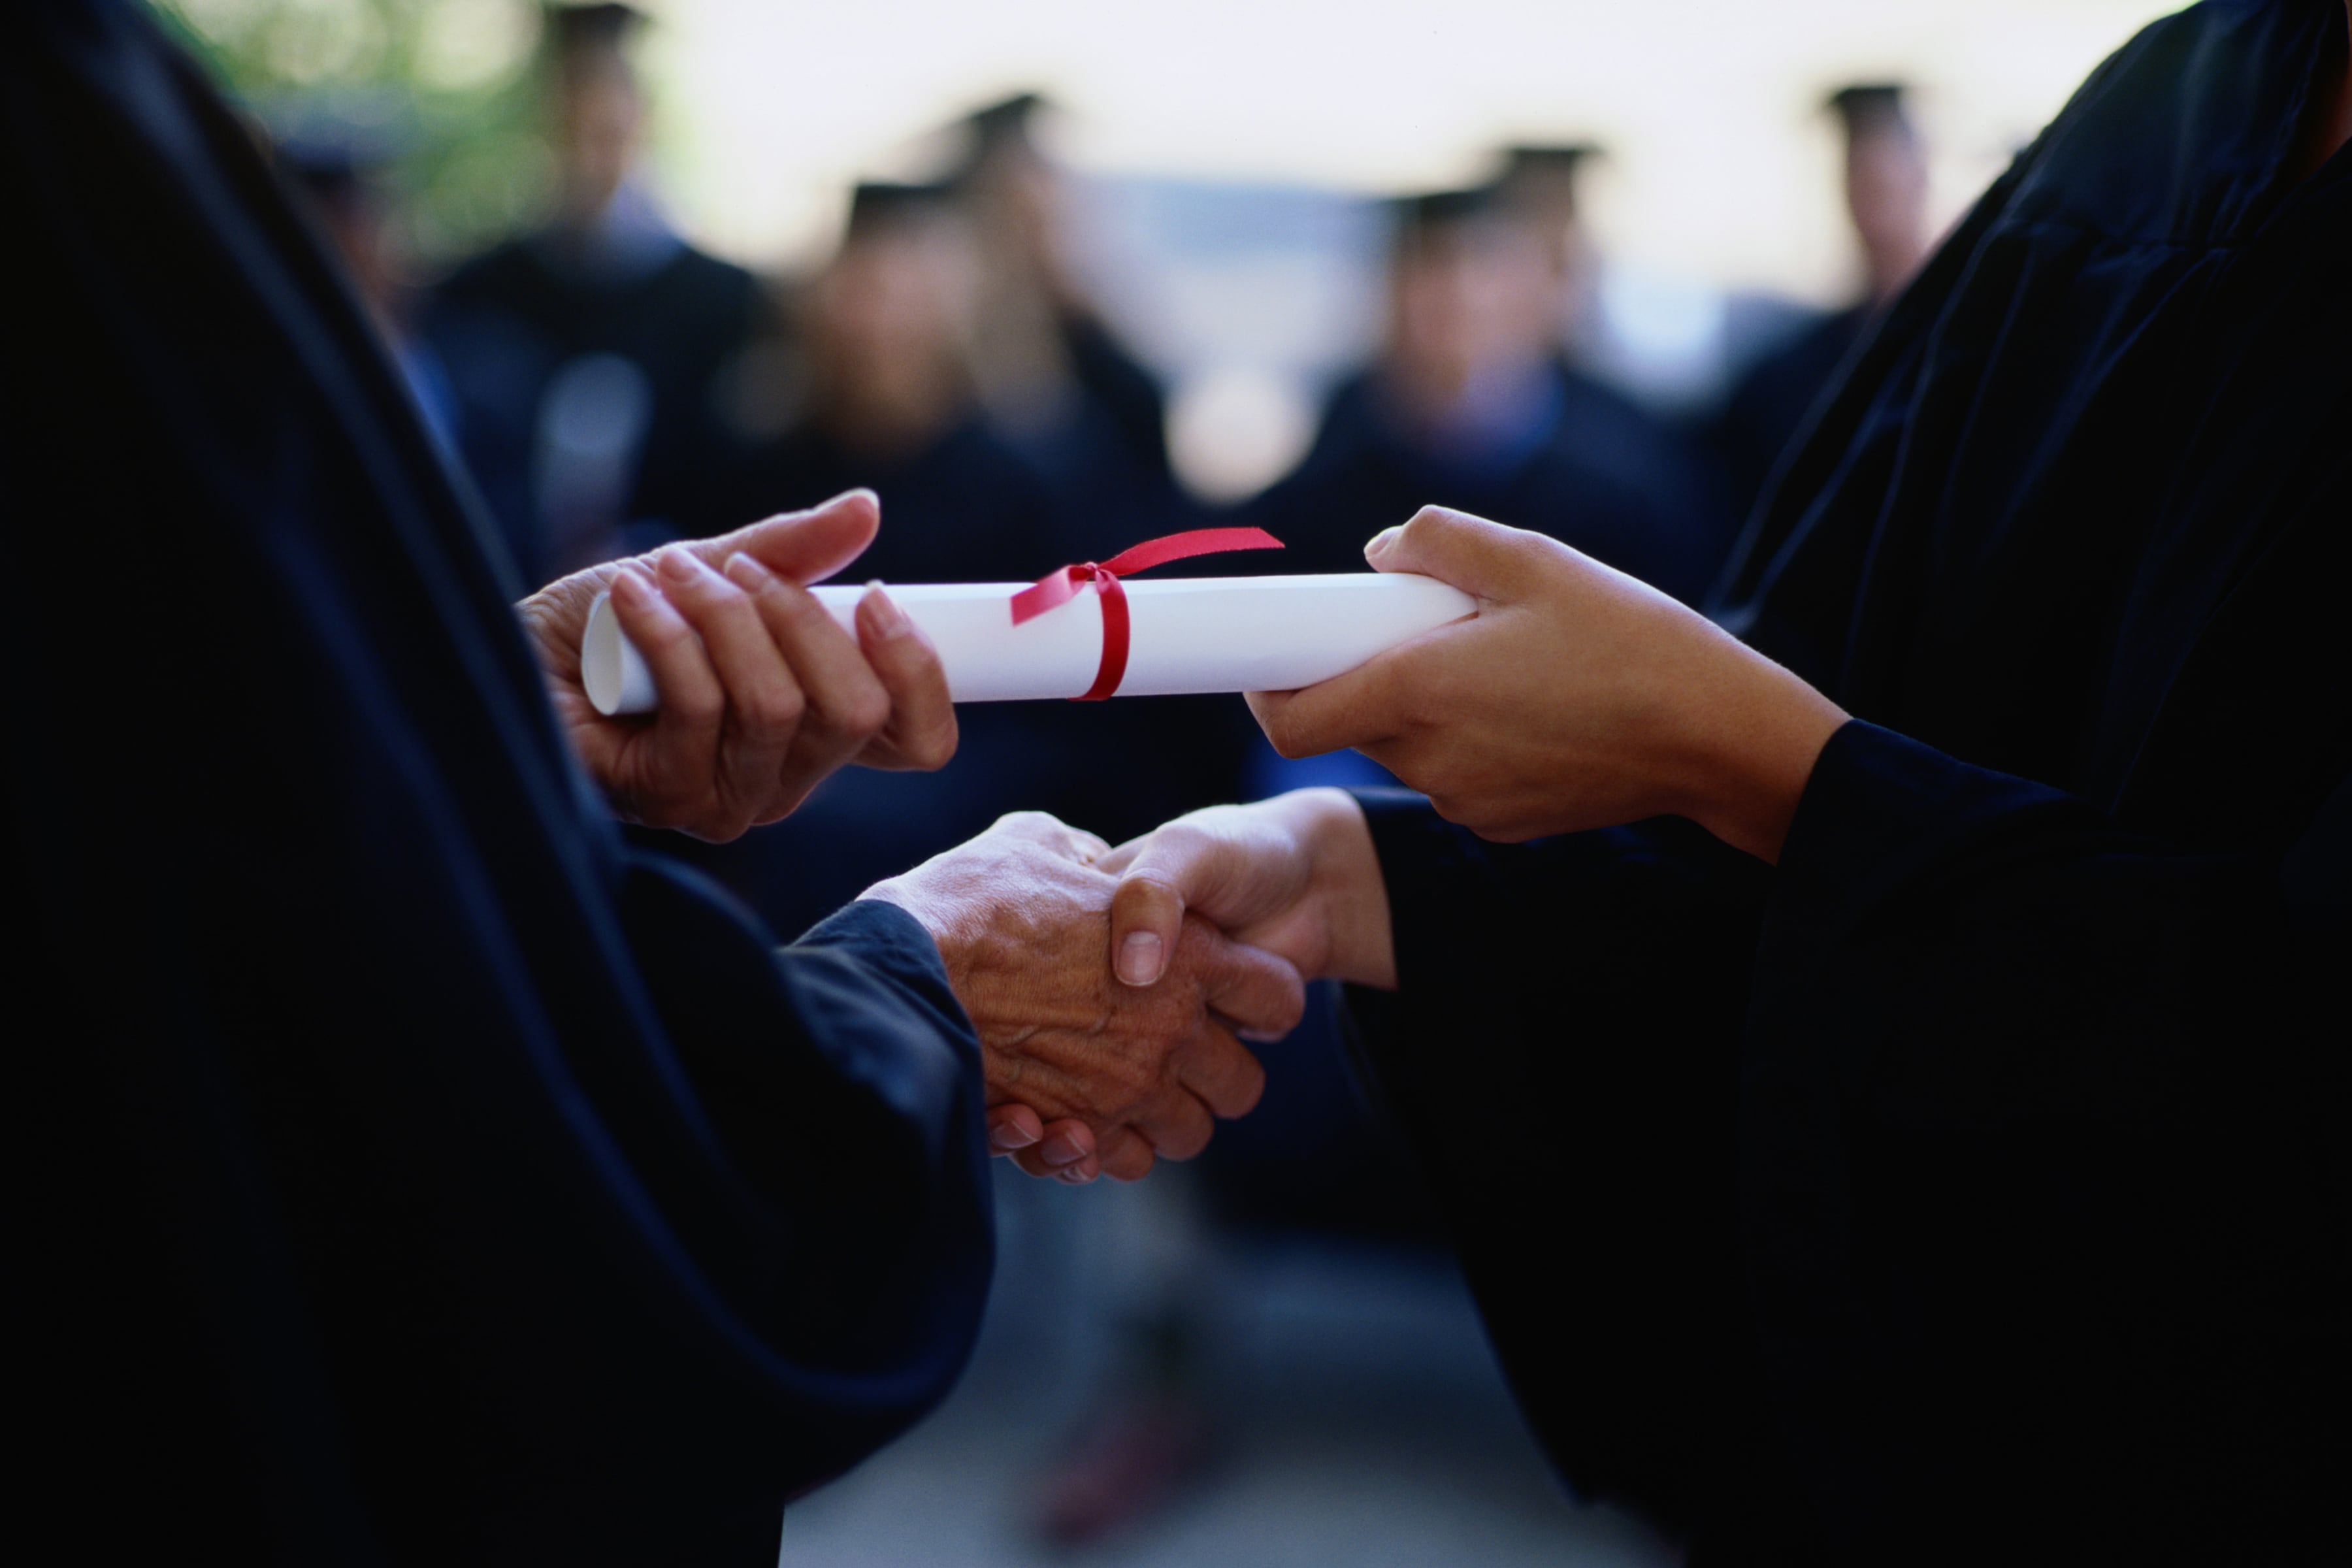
x: 1113, y: 990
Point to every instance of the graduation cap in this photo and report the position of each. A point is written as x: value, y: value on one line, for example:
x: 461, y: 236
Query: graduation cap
x: 334, y: 144
x: 575, y: 30
x: 1563, y: 158
x: 1870, y: 107
x: 1008, y: 119
x: 1008, y: 125
x: 1432, y: 210
x: 881, y: 204
x: 1541, y: 177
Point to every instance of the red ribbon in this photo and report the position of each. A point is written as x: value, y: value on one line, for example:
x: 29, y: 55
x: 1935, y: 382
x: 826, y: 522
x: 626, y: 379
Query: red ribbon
x: 1058, y: 588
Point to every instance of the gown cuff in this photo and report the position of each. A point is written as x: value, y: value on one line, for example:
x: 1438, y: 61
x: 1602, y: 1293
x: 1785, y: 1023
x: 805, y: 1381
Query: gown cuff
x: 893, y: 943
x: 1881, y: 810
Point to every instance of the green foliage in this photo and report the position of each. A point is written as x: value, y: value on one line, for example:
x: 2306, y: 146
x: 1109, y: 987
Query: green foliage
x: 447, y: 86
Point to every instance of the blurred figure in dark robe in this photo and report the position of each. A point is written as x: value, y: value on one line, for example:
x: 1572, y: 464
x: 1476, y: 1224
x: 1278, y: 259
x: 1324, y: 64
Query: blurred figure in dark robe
x: 1886, y: 198
x: 1054, y: 378
x: 1470, y: 405
x: 887, y: 401
x: 339, y: 170
x: 589, y: 359
x: 1540, y: 182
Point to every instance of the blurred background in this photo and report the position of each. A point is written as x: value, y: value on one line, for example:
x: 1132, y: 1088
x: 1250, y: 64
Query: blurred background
x: 1055, y: 276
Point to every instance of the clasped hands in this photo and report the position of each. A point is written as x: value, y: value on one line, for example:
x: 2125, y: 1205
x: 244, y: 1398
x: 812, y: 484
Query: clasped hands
x: 1112, y: 989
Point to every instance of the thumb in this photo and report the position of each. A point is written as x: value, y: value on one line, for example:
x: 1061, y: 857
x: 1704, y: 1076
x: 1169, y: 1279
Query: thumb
x: 1147, y: 912
x: 804, y: 546
x: 1222, y: 864
x: 1481, y: 558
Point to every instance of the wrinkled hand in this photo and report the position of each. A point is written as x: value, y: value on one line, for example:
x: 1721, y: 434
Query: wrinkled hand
x: 1295, y: 876
x: 1576, y: 697
x: 763, y: 693
x: 1112, y: 1076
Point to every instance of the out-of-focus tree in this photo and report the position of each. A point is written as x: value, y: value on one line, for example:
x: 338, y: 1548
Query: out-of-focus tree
x: 449, y: 85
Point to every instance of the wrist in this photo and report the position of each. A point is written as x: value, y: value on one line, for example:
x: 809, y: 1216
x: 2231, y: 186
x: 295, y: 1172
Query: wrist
x: 1346, y: 884
x: 937, y: 921
x: 1758, y: 754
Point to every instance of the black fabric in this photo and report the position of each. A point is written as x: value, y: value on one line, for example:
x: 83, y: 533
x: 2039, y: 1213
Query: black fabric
x: 1599, y: 474
x: 415, y: 1173
x: 961, y: 508
x: 1767, y: 407
x: 2025, y: 1072
x: 506, y: 325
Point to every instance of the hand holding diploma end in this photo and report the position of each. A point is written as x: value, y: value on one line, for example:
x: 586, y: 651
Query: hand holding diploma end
x: 762, y: 691
x: 1577, y: 698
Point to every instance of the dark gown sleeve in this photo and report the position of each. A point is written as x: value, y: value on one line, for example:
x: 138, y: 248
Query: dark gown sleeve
x: 1976, y: 1165
x: 420, y: 1173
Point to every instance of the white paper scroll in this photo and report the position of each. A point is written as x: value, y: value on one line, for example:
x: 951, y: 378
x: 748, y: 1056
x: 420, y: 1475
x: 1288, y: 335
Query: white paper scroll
x: 1197, y: 634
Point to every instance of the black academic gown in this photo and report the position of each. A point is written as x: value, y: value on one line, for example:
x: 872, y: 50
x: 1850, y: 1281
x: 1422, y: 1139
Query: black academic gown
x: 1767, y: 407
x: 507, y: 324
x: 1972, y: 1186
x: 1599, y: 473
x: 413, y: 1173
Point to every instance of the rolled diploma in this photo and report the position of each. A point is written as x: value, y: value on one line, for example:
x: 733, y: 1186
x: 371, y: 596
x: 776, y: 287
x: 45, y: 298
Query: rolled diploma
x: 1187, y: 635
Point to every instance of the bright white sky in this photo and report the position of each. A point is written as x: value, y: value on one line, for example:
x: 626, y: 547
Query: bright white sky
x: 1723, y: 173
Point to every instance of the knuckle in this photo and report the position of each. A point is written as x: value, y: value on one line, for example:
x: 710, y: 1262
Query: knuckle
x: 933, y: 749
x: 773, y: 709
x: 700, y: 707
x: 866, y: 714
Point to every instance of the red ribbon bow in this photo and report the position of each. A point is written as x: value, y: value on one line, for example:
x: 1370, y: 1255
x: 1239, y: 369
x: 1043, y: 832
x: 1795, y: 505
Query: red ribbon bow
x: 1059, y: 587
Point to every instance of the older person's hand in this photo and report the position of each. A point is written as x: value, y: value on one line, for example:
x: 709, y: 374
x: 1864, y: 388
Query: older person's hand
x: 1577, y: 697
x: 763, y: 694
x: 1085, y: 1073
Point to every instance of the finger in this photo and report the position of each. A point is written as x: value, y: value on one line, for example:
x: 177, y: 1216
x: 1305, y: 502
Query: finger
x: 1067, y: 1143
x: 1176, y: 867
x: 1183, y: 866
x: 1077, y: 1174
x: 764, y: 701
x: 1223, y: 1075
x: 1012, y: 1127
x: 692, y: 700
x: 1119, y: 860
x: 847, y: 705
x: 1125, y: 1156
x: 803, y: 546
x: 1478, y: 557
x: 1362, y: 707
x: 921, y: 731
x: 1262, y: 994
x: 1178, y: 1127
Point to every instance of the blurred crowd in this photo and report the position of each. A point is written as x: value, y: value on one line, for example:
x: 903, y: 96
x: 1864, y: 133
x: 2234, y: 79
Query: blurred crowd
x: 608, y: 387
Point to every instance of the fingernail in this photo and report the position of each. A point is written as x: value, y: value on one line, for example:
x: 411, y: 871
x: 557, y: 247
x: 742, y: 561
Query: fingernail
x: 676, y: 564
x: 748, y: 574
x: 1073, y: 1176
x: 1139, y: 958
x: 1063, y: 1148
x: 1007, y: 1136
x: 1379, y: 544
x: 629, y: 583
x: 889, y: 620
